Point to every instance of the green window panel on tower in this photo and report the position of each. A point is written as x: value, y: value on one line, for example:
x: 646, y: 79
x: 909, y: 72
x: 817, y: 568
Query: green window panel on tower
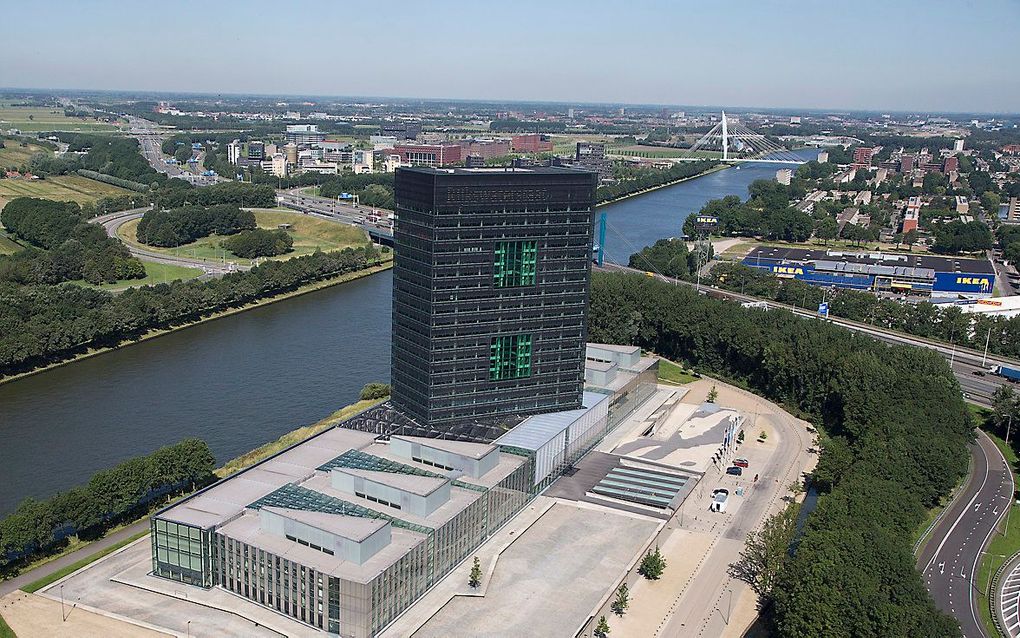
x: 510, y: 357
x: 515, y: 263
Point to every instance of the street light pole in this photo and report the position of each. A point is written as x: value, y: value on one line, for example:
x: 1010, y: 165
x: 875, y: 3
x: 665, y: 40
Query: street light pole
x: 63, y: 617
x: 988, y: 338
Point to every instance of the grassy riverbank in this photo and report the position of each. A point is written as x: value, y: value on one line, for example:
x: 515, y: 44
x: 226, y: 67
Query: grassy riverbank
x: 152, y: 334
x: 230, y: 467
x: 714, y: 169
x: 294, y: 436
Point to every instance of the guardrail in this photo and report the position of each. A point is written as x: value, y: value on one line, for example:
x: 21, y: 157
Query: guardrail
x: 993, y: 600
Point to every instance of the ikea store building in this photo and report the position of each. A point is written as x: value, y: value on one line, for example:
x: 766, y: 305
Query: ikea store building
x: 924, y: 274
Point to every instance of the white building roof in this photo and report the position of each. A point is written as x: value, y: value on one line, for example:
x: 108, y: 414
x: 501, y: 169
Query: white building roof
x: 352, y: 528
x: 461, y: 448
x: 536, y: 431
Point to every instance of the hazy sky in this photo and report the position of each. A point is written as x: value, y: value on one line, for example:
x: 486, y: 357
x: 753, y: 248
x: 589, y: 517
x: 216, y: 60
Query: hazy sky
x: 890, y: 54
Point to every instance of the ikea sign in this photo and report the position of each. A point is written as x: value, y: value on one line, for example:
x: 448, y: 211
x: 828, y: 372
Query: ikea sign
x: 788, y: 270
x: 962, y: 282
x: 706, y: 219
x: 983, y: 282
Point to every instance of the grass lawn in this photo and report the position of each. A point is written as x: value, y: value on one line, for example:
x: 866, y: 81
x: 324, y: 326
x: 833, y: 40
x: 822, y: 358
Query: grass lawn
x: 258, y: 454
x: 73, y: 567
x: 155, y: 273
x: 32, y: 118
x: 7, y: 245
x: 5, y: 630
x: 309, y: 234
x: 61, y: 188
x: 673, y: 373
x: 13, y: 154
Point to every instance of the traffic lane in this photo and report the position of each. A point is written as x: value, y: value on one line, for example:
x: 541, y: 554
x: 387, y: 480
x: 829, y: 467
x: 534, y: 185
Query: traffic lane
x: 960, y: 538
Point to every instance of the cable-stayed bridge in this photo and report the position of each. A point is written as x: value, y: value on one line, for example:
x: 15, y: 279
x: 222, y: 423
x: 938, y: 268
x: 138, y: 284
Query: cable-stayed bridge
x: 738, y: 144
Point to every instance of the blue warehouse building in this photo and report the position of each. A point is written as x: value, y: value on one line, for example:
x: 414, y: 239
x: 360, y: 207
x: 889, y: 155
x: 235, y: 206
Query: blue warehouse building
x: 924, y: 274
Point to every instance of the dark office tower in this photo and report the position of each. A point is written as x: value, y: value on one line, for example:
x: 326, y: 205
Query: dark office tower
x: 490, y: 291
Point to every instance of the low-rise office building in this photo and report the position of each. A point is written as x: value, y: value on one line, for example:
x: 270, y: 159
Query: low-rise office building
x: 343, y: 531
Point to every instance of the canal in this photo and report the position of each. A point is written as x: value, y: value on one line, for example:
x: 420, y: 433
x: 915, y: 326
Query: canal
x: 243, y: 380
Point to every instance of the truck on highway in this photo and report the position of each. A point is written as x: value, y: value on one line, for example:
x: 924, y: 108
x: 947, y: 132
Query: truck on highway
x: 1013, y: 374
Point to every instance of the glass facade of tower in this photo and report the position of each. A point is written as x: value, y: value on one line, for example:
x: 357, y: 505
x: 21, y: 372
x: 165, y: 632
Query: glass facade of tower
x: 490, y: 289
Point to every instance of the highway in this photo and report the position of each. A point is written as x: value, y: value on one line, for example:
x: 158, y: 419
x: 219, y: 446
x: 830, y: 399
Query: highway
x: 150, y: 140
x: 968, y: 366
x: 112, y: 223
x: 333, y: 210
x: 950, y: 560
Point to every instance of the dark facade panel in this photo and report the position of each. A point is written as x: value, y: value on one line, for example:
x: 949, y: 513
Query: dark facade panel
x: 490, y: 292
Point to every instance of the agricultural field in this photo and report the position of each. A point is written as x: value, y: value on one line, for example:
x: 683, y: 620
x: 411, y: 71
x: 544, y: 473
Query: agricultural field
x: 567, y: 144
x: 309, y: 234
x: 34, y: 119
x: 61, y: 188
x: 14, y: 153
x: 637, y: 150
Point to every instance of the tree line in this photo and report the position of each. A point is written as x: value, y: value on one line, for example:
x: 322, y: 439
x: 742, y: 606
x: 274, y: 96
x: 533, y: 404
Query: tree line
x: 64, y: 246
x: 178, y: 193
x: 896, y: 434
x: 122, y: 493
x: 643, y: 179
x: 179, y: 226
x: 41, y: 324
x: 923, y: 319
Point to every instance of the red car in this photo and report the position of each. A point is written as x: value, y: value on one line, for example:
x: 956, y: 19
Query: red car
x: 741, y: 463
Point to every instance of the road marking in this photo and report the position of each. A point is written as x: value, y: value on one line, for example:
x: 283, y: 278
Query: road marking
x: 991, y: 530
x: 962, y: 514
x: 942, y: 567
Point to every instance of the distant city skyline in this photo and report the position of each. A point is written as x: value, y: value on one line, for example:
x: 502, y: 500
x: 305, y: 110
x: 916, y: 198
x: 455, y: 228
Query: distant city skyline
x: 907, y: 56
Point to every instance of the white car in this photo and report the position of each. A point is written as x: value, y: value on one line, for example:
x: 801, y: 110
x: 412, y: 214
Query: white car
x: 720, y: 498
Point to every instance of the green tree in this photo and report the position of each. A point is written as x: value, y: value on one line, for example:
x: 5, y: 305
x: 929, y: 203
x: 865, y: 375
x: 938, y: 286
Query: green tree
x: 374, y: 390
x: 602, y: 628
x: 713, y: 394
x: 475, y: 579
x: 766, y: 551
x: 668, y: 257
x: 622, y: 601
x: 910, y: 238
x: 1005, y: 406
x: 652, y: 565
x: 827, y: 230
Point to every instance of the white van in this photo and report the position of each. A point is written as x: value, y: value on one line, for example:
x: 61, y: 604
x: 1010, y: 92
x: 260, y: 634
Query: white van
x: 720, y: 498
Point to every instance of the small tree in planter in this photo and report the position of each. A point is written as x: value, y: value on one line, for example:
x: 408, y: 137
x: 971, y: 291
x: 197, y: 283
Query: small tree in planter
x: 713, y: 394
x: 622, y: 600
x: 602, y: 629
x: 652, y: 565
x: 475, y: 579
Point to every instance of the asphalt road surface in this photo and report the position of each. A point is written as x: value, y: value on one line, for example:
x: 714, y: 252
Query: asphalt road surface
x: 331, y: 209
x: 113, y: 221
x: 950, y: 560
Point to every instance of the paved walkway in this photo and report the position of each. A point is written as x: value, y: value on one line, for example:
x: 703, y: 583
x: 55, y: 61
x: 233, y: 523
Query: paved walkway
x: 34, y: 616
x: 46, y: 569
x: 696, y: 596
